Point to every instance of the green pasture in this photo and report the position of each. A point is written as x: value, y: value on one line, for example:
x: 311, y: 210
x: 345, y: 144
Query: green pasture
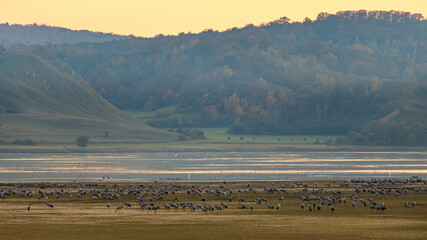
x: 220, y: 135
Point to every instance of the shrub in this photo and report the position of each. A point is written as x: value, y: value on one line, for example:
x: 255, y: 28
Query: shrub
x: 358, y: 139
x: 190, y: 134
x: 389, y: 134
x: 340, y: 141
x: 82, y: 141
x: 182, y: 138
x: 25, y: 142
x: 329, y: 142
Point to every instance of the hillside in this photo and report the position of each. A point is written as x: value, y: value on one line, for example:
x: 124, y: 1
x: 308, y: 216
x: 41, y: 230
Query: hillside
x: 40, y: 102
x: 41, y: 34
x: 342, y: 72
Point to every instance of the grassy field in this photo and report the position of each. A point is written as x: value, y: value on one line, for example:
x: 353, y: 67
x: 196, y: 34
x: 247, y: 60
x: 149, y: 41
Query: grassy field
x: 182, y: 147
x: 220, y: 135
x: 44, y: 103
x: 84, y: 218
x: 99, y: 145
x: 46, y: 129
x: 216, y: 141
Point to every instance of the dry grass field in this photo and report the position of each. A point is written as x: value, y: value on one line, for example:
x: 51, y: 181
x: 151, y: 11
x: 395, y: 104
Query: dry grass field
x: 86, y: 218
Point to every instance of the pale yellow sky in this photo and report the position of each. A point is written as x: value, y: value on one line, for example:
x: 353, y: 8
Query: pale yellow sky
x: 150, y: 17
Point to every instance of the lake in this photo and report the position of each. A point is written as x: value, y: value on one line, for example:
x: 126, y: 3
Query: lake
x: 119, y: 167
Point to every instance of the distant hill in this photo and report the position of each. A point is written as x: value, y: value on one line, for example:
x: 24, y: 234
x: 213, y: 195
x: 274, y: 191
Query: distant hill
x: 336, y: 74
x: 41, y: 102
x: 41, y: 34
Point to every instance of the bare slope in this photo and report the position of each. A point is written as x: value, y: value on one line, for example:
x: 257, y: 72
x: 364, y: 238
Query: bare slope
x: 40, y: 102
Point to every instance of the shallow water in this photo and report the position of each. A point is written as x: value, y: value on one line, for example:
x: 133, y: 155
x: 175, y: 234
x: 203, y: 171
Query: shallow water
x: 210, y: 166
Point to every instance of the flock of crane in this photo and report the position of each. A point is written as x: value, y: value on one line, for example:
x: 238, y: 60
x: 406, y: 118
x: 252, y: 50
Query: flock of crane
x: 218, y: 196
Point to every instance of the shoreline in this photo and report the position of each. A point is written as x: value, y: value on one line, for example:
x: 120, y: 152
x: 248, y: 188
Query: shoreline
x: 200, y: 147
x: 185, y: 182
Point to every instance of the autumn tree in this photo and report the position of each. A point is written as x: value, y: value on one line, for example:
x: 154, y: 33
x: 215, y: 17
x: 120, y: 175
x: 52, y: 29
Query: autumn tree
x: 210, y: 115
x: 232, y: 105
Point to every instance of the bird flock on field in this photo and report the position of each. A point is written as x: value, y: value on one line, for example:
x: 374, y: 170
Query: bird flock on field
x: 221, y: 196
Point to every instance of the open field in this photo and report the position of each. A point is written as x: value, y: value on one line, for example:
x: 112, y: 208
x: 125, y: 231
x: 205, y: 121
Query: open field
x: 82, y: 217
x: 49, y: 128
x: 194, y: 146
x: 220, y: 135
x: 216, y: 141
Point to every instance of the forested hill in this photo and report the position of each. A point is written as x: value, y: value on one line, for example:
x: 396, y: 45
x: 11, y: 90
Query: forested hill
x: 41, y: 34
x: 338, y: 73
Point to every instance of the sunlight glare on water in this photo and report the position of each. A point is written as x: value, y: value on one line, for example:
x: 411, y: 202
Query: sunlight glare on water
x: 209, y: 166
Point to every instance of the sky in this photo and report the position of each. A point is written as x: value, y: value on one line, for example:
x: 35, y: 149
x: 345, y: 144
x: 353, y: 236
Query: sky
x: 148, y: 18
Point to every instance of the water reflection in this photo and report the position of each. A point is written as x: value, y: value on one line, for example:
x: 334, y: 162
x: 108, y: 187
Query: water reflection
x: 209, y: 166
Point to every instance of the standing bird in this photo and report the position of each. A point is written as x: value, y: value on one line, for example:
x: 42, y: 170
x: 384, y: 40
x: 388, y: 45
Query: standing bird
x: 406, y: 204
x: 372, y: 207
x: 251, y: 207
x: 310, y: 208
x: 302, y: 206
x: 277, y: 206
x: 332, y: 208
x: 29, y: 208
x: 108, y: 205
x: 119, y: 208
x: 167, y: 206
x: 414, y: 203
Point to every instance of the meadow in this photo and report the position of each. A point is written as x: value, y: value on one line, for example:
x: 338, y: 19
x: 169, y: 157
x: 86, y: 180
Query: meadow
x: 216, y: 141
x: 84, y: 218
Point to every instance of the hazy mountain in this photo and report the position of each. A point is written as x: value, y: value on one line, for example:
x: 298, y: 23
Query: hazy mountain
x: 42, y: 34
x: 41, y: 102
